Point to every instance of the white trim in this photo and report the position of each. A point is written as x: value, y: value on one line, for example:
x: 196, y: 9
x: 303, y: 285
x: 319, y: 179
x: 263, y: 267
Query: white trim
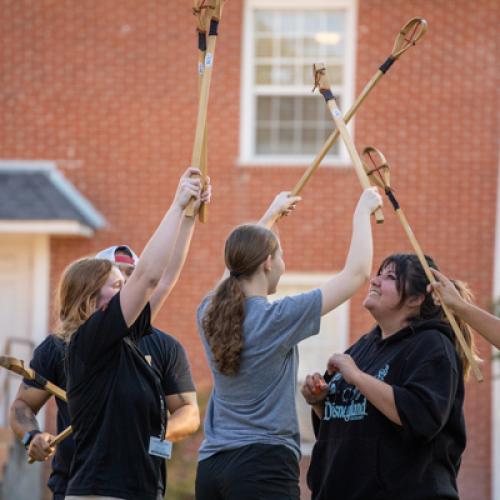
x: 27, y: 165
x: 54, y: 227
x: 41, y: 284
x: 291, y: 161
x: 495, y: 385
x: 60, y: 182
x: 247, y: 156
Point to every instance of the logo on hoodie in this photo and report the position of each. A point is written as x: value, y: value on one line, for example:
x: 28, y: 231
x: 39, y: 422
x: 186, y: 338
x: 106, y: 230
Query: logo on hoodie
x: 344, y: 401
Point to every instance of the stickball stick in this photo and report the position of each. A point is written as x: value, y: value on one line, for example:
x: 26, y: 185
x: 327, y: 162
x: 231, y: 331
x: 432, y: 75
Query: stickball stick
x: 378, y: 171
x: 202, y: 11
x: 196, y: 159
x: 321, y: 81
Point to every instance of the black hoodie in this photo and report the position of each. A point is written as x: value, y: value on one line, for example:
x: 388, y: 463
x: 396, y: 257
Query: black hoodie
x: 361, y: 454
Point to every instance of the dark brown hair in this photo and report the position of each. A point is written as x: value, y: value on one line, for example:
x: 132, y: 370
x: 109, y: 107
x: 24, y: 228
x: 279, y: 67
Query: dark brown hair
x: 411, y: 281
x: 247, y: 247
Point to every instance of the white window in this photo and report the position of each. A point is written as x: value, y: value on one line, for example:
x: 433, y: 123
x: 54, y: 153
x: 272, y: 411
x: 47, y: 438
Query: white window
x: 282, y: 121
x: 315, y: 351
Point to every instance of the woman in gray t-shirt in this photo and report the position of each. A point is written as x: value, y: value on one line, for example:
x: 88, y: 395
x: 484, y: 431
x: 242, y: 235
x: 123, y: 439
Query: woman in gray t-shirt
x: 251, y: 447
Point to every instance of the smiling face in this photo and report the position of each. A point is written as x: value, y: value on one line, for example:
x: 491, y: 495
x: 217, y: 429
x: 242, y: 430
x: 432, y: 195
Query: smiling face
x: 397, y: 292
x: 111, y: 287
x: 383, y: 295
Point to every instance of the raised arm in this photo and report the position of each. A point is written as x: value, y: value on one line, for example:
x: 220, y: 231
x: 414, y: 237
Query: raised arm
x: 282, y: 205
x: 179, y: 255
x: 358, y: 263
x: 157, y: 254
x: 480, y: 320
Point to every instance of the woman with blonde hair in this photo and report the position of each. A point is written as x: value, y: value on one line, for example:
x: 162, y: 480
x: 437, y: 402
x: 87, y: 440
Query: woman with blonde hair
x: 115, y: 397
x: 251, y: 448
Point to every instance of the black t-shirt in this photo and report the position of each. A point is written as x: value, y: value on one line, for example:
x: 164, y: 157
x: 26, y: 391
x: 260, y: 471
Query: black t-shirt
x: 361, y: 454
x: 168, y: 357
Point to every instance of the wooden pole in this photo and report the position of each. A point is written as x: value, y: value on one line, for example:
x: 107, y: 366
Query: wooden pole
x: 197, y: 155
x: 321, y: 81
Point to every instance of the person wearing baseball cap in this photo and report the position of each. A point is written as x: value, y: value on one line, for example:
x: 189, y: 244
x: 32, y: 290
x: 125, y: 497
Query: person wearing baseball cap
x: 121, y: 255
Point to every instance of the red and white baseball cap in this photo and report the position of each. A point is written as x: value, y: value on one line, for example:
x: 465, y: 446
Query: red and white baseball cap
x: 110, y: 254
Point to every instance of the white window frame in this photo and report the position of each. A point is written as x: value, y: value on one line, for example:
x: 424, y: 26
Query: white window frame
x: 247, y: 120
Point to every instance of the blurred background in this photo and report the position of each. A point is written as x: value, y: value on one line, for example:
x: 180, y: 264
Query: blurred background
x: 98, y: 103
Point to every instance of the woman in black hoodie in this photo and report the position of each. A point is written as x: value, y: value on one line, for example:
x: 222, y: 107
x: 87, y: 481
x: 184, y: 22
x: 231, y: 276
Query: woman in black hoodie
x: 388, y: 414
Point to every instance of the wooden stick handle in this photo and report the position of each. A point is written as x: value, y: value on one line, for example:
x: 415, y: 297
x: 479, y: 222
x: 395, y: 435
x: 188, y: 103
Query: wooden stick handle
x: 203, y: 211
x: 353, y: 153
x: 196, y: 158
x: 17, y: 366
x: 56, y: 391
x: 57, y: 439
x: 447, y: 312
x: 335, y: 134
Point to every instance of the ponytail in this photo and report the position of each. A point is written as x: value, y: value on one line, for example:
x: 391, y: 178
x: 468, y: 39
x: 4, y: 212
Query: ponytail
x: 223, y: 325
x: 247, y: 247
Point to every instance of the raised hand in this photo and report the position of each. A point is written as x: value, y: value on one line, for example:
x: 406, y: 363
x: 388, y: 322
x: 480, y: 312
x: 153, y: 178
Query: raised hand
x: 446, y: 290
x: 369, y: 200
x: 282, y: 205
x: 189, y: 187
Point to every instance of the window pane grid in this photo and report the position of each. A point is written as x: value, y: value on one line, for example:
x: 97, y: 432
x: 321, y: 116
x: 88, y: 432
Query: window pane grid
x: 289, y: 120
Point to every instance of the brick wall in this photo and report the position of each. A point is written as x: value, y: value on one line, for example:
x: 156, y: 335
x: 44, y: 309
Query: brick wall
x: 108, y: 90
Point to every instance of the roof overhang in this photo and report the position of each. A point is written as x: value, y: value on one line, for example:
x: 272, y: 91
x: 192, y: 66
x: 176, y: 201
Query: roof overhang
x: 37, y: 198
x: 52, y: 227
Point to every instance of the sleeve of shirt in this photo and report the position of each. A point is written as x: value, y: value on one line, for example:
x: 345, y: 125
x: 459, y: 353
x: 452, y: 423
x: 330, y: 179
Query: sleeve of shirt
x: 425, y: 399
x: 44, y: 363
x: 297, y: 317
x: 177, y: 377
x: 105, y: 329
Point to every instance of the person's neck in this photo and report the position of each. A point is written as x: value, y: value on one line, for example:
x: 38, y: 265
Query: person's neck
x: 390, y: 326
x: 256, y: 285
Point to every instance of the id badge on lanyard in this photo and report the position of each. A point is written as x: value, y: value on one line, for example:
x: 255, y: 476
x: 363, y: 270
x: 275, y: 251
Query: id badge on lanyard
x: 160, y: 447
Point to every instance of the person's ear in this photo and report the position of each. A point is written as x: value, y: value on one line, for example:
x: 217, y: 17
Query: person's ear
x: 416, y: 301
x: 268, y: 263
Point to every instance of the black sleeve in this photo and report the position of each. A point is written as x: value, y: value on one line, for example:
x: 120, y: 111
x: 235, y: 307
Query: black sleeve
x: 316, y: 421
x: 46, y: 361
x: 176, y: 373
x: 106, y: 328
x: 425, y: 399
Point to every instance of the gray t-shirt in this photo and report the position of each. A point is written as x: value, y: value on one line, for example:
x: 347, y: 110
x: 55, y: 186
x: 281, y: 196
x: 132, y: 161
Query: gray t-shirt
x: 257, y: 405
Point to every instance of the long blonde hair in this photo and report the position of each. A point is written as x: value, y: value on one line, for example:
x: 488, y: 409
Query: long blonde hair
x: 78, y: 293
